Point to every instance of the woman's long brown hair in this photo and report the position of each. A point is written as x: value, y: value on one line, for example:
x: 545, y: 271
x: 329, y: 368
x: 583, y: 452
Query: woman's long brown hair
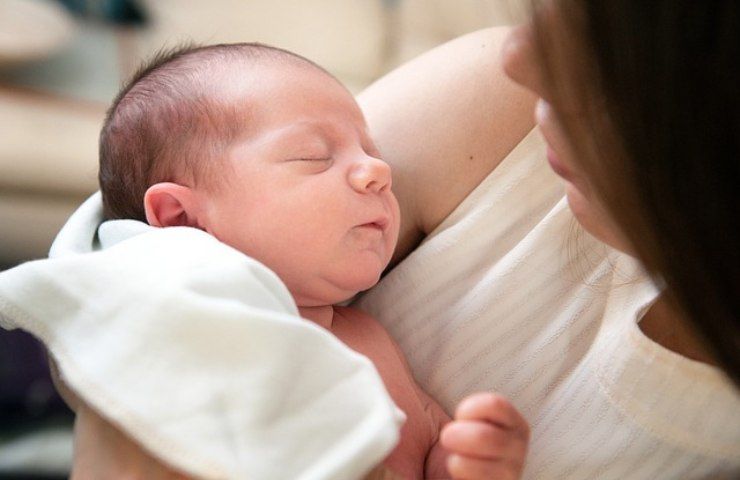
x: 649, y: 93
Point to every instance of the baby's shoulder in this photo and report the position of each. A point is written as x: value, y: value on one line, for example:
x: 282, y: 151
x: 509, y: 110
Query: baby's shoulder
x: 350, y: 323
x: 357, y: 317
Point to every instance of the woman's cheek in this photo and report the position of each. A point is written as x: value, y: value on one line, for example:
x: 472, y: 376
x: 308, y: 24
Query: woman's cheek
x: 594, y: 219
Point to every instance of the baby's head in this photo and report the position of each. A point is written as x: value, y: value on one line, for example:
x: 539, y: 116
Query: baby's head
x: 262, y: 149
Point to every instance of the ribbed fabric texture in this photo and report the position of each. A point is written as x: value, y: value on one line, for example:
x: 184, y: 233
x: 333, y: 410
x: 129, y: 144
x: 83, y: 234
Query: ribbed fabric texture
x: 509, y: 294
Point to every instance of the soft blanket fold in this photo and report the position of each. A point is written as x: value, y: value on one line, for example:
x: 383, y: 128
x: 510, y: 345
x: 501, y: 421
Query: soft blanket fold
x: 197, y: 352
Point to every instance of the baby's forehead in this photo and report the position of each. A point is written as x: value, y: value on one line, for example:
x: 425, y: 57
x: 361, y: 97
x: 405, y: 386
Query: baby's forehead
x: 279, y: 94
x: 242, y: 76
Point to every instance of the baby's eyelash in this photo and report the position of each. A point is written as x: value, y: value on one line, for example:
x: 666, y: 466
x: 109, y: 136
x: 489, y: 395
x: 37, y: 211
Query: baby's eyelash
x: 315, y: 159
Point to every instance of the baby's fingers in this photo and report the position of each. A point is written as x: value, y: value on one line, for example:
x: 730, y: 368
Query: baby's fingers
x: 483, y: 440
x: 494, y: 409
x: 466, y: 468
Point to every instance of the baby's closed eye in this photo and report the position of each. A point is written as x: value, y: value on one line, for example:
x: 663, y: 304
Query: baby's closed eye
x: 312, y: 164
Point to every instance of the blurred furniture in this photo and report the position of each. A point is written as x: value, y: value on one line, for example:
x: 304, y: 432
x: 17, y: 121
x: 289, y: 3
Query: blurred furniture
x: 35, y: 438
x: 59, y: 72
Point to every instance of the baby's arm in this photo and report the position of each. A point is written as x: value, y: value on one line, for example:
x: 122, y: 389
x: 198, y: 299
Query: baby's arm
x: 487, y: 439
x: 435, y: 466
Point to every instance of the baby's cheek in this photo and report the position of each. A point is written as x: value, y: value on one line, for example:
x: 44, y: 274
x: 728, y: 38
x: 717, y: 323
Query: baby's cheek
x: 392, y: 239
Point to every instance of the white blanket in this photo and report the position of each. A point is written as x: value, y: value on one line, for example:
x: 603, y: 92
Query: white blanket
x: 197, y: 352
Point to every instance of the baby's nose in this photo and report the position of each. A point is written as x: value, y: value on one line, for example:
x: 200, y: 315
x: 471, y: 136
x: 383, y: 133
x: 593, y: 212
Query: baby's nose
x: 370, y: 174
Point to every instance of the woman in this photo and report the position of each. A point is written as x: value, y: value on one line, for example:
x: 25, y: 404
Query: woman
x: 658, y: 183
x: 641, y: 122
x: 638, y: 106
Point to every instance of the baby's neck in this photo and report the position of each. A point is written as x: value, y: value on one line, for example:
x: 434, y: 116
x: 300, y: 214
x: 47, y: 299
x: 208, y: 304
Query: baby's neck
x: 321, y: 315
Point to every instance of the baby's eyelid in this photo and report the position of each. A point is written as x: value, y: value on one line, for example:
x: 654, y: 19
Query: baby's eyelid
x: 309, y: 159
x: 323, y: 159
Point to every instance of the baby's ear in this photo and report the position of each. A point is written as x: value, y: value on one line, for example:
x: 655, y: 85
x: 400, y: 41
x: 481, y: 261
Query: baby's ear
x: 168, y: 204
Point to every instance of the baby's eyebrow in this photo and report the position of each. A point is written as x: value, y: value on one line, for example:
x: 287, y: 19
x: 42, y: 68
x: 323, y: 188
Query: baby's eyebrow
x: 303, y: 131
x: 279, y: 135
x: 310, y: 129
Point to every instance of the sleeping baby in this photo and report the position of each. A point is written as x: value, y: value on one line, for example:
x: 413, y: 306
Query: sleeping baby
x: 270, y: 154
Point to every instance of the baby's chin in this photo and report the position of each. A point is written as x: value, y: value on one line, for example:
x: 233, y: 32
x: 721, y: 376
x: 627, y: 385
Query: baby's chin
x: 334, y: 291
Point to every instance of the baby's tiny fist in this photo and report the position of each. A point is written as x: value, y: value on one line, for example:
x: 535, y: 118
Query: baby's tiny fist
x: 488, y: 438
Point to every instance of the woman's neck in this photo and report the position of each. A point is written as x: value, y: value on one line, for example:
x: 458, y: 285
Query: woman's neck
x: 322, y: 315
x: 665, y: 325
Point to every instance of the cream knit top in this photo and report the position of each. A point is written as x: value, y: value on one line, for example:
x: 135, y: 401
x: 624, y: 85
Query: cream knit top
x: 508, y: 294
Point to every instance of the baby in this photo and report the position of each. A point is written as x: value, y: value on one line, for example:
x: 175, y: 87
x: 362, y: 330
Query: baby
x: 270, y: 154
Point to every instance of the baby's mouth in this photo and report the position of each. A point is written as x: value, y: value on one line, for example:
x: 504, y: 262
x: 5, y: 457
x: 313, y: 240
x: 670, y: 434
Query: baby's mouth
x: 372, y: 226
x: 379, y: 223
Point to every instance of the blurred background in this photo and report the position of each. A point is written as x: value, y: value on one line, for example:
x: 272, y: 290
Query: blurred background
x: 63, y: 61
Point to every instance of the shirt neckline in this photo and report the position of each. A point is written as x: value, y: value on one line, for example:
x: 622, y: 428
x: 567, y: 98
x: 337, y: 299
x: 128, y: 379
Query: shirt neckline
x: 683, y: 401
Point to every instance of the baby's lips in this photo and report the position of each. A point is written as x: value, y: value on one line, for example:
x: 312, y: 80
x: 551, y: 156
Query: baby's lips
x: 380, y: 222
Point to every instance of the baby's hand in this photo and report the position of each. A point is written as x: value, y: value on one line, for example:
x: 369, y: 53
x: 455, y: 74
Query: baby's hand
x: 487, y: 439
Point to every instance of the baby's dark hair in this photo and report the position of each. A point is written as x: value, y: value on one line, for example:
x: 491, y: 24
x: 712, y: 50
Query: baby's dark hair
x: 169, y: 123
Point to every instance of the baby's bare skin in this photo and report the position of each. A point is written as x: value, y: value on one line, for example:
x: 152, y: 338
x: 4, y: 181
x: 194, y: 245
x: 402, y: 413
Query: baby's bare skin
x: 419, y: 453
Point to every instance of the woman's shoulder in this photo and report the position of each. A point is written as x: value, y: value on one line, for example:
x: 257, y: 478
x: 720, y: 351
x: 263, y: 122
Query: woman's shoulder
x: 444, y: 121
